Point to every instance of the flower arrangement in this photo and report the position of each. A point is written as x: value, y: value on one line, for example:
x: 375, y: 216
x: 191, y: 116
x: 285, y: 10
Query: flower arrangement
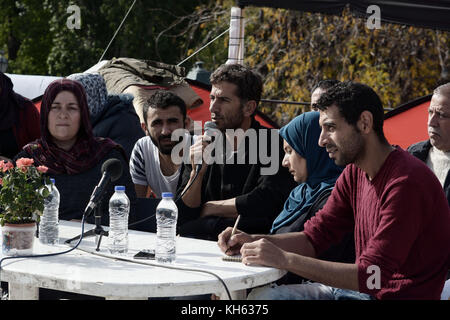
x: 22, y: 191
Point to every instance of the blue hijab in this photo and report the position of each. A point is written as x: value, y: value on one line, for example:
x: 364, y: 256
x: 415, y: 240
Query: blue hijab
x: 302, y: 134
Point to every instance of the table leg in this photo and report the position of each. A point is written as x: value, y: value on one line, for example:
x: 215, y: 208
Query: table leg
x: 125, y: 298
x: 235, y: 295
x: 19, y: 291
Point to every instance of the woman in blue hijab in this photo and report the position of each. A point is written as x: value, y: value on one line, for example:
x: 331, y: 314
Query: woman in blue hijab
x: 311, y: 167
x: 316, y: 173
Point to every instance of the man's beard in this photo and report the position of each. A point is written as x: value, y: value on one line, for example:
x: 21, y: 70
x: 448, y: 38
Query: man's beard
x: 233, y: 121
x: 164, y: 149
x: 354, y: 149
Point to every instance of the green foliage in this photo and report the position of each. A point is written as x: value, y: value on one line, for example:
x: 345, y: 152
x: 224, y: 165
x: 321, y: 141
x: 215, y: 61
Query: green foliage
x: 22, y: 192
x: 292, y: 50
x: 24, y: 35
x: 38, y: 41
x: 209, y: 21
x: 295, y: 50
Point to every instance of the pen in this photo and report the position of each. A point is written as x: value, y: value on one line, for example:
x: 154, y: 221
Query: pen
x: 235, y: 225
x: 234, y: 229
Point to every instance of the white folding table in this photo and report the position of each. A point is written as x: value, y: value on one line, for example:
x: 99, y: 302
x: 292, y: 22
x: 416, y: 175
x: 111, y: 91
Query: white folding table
x: 85, y: 272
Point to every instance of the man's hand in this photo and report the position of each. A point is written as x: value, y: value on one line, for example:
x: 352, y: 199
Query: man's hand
x: 231, y: 245
x: 192, y: 197
x: 197, y: 153
x: 263, y: 252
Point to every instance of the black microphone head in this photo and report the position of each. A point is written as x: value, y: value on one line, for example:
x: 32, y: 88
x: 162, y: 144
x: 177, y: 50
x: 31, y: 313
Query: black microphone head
x: 113, y: 167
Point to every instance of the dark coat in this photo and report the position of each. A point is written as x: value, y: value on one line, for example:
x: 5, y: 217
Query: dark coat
x: 75, y: 190
x: 119, y: 122
x: 259, y: 198
x: 420, y: 150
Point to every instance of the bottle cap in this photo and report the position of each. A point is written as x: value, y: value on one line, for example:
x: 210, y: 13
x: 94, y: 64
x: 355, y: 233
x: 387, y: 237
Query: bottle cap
x: 167, y: 195
x: 119, y: 188
x: 52, y: 180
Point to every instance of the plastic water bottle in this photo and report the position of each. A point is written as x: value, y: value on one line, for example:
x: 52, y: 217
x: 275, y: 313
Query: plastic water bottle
x: 119, y: 209
x: 166, y: 221
x: 49, y: 222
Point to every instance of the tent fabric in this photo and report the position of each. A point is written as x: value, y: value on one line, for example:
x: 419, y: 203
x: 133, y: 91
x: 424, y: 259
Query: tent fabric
x: 30, y: 86
x: 403, y: 126
x: 201, y: 113
x: 407, y: 124
x: 33, y: 88
x: 421, y: 13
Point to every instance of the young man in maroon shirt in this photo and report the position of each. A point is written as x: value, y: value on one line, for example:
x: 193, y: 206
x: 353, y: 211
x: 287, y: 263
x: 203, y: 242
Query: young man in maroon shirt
x: 392, y: 201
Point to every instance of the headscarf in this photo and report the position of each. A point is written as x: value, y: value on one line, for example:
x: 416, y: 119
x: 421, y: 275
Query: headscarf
x: 302, y: 134
x: 87, y: 150
x: 95, y: 87
x: 10, y: 102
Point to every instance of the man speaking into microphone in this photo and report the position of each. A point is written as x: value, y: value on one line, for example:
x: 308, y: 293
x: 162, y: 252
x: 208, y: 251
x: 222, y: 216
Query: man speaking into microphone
x: 221, y: 190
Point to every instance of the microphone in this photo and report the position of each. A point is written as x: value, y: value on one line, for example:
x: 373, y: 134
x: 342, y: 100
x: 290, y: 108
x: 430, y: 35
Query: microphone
x: 111, y: 171
x: 209, y: 128
x: 209, y: 132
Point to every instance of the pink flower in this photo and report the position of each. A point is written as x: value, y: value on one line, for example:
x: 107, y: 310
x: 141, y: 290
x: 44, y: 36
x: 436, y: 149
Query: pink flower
x: 5, y: 166
x: 42, y: 169
x: 9, y: 166
x: 1, y: 181
x: 24, y: 162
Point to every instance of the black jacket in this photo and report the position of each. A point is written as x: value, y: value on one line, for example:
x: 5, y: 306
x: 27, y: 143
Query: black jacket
x: 420, y: 150
x: 119, y: 122
x: 75, y: 190
x: 259, y: 198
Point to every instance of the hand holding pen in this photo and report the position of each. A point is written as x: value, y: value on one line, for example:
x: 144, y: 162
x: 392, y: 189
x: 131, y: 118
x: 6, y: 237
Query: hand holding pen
x: 233, y: 232
x: 231, y: 239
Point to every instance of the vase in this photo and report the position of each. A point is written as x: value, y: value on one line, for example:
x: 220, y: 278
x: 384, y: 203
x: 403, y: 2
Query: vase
x: 18, y: 239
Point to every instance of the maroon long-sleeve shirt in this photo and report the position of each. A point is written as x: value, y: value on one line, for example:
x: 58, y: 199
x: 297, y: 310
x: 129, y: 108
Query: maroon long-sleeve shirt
x: 402, y: 227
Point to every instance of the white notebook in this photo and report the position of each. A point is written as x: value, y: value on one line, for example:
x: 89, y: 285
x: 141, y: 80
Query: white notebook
x: 236, y: 258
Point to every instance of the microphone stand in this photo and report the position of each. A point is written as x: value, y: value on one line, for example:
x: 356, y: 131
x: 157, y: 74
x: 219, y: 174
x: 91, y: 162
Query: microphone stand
x: 98, y: 231
x: 111, y: 171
